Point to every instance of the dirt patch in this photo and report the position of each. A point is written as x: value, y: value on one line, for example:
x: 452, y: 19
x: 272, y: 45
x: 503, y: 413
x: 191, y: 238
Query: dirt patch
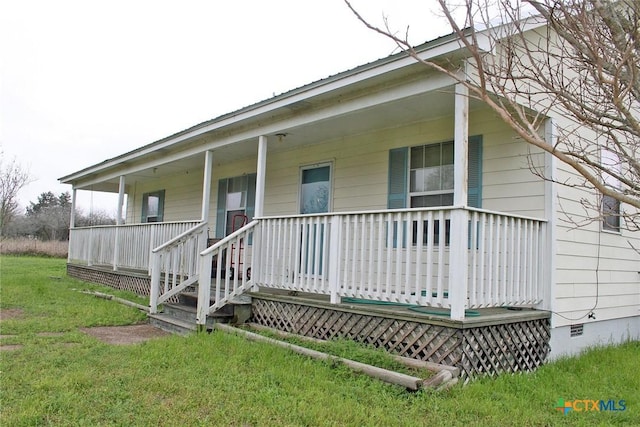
x: 11, y: 313
x: 9, y: 347
x: 50, y: 334
x: 122, y: 335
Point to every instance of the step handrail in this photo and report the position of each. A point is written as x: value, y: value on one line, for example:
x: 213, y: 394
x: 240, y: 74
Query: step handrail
x: 230, y: 237
x: 179, y: 237
x: 232, y: 287
x: 176, y: 254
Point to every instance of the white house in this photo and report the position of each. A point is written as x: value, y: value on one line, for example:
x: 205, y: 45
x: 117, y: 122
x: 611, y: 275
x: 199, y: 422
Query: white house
x: 385, y: 184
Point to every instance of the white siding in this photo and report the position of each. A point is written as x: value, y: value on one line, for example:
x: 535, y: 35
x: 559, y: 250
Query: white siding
x: 596, y: 270
x: 361, y: 168
x: 360, y: 172
x: 182, y: 199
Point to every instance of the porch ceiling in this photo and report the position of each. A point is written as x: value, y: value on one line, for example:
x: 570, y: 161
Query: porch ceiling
x: 411, y: 109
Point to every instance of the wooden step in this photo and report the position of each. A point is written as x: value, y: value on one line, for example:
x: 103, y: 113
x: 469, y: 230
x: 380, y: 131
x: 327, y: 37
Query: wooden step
x: 172, y: 324
x: 188, y: 312
x: 181, y: 319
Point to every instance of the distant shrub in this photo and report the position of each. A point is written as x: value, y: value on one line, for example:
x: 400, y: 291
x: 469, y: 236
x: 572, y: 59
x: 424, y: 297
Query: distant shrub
x: 34, y: 247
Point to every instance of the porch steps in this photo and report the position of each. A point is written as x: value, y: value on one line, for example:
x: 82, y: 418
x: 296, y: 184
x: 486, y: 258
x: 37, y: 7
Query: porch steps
x: 181, y: 318
x: 171, y: 324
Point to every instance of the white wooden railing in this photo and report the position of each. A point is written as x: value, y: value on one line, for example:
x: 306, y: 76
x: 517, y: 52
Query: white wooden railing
x: 229, y: 265
x: 407, y: 256
x: 455, y: 258
x: 122, y: 246
x: 174, y: 265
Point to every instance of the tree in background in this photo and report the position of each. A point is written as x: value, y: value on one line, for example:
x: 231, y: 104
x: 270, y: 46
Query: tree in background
x: 48, y: 218
x: 13, y: 178
x: 584, y: 64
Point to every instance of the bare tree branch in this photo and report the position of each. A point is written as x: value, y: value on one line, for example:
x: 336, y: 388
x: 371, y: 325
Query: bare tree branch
x: 576, y: 59
x: 13, y: 178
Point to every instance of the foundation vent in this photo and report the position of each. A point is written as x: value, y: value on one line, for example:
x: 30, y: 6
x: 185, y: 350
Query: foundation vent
x: 577, y: 330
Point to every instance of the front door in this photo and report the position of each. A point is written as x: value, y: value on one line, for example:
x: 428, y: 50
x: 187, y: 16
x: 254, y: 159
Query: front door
x: 315, y: 198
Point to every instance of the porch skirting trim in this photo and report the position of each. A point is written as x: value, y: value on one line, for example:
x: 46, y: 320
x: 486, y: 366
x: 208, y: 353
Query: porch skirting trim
x: 136, y: 283
x: 510, y: 347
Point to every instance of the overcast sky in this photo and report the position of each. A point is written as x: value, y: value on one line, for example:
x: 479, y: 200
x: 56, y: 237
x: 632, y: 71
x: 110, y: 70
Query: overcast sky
x: 82, y: 81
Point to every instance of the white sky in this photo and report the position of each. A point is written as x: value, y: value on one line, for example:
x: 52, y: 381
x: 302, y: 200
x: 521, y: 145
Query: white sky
x: 82, y: 81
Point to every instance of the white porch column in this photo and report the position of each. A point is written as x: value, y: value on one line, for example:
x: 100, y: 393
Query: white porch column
x: 206, y: 185
x: 120, y: 200
x: 458, y: 252
x: 261, y: 176
x: 550, y: 200
x: 461, y: 146
x: 116, y: 239
x: 72, y: 220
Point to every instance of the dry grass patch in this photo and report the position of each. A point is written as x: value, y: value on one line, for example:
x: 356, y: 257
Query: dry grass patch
x: 11, y: 313
x: 10, y: 347
x: 34, y: 247
x: 122, y: 335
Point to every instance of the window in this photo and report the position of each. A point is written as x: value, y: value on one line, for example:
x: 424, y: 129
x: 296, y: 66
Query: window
x: 422, y: 176
x: 315, y: 197
x: 315, y: 189
x: 431, y: 175
x: 610, y: 206
x: 236, y: 203
x: 610, y: 214
x: 153, y: 206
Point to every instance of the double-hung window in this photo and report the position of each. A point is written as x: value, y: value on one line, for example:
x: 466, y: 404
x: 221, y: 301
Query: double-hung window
x: 422, y: 176
x: 431, y: 175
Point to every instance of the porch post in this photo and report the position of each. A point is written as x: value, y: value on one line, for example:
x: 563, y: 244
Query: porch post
x: 333, y: 273
x: 206, y: 185
x: 120, y: 200
x: 261, y: 175
x: 548, y: 276
x: 116, y: 243
x: 72, y: 220
x: 458, y: 253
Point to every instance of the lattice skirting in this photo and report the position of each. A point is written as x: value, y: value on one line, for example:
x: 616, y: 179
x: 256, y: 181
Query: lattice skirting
x: 139, y: 285
x: 512, y: 347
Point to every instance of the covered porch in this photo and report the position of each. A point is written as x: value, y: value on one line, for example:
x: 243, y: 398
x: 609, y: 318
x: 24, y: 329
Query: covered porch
x: 455, y: 259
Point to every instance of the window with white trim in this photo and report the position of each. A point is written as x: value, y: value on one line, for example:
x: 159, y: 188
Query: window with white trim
x: 315, y: 189
x: 431, y: 175
x: 153, y: 206
x: 610, y: 206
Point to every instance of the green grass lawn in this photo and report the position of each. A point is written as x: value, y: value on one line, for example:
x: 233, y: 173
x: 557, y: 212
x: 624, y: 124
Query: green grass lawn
x: 70, y: 378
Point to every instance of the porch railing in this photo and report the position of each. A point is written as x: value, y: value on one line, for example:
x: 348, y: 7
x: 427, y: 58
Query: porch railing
x: 174, y: 265
x: 227, y: 266
x: 122, y: 246
x: 453, y: 257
